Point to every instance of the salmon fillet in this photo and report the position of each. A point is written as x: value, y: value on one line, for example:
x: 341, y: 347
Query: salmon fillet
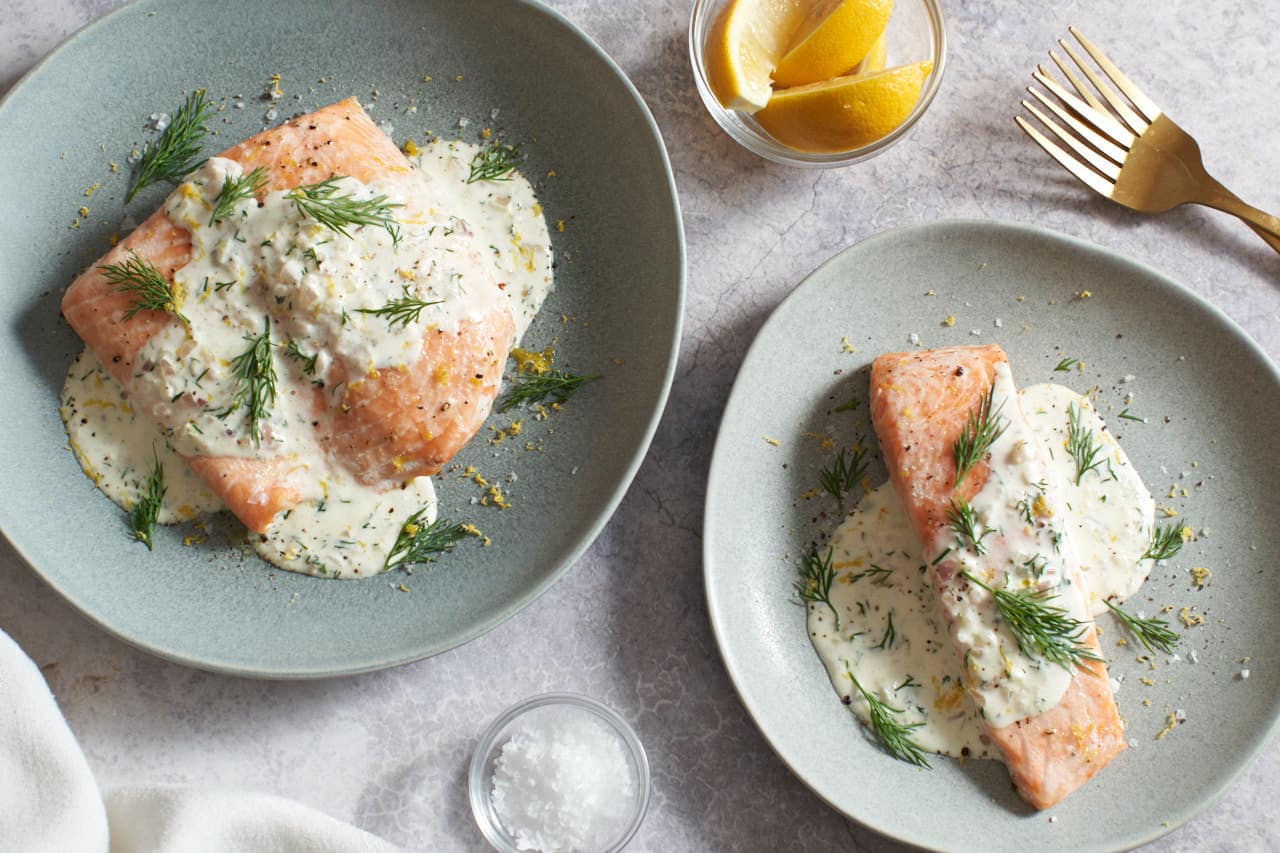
x: 386, y: 428
x: 920, y: 403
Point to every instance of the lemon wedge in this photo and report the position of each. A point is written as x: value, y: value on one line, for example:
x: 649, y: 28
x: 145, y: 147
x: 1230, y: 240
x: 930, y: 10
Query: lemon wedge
x: 745, y: 44
x: 845, y: 112
x: 875, y: 58
x: 834, y: 36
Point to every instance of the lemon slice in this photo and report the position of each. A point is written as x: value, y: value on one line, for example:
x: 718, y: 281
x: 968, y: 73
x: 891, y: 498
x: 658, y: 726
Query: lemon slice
x: 846, y: 112
x: 744, y: 46
x: 874, y: 60
x: 832, y: 38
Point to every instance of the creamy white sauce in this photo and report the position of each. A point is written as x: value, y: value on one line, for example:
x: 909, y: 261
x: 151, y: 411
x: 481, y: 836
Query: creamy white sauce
x: 467, y: 249
x: 1111, y: 505
x: 1111, y: 514
x: 117, y: 447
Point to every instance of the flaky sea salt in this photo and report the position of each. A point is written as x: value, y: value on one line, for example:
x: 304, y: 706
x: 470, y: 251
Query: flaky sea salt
x: 564, y: 783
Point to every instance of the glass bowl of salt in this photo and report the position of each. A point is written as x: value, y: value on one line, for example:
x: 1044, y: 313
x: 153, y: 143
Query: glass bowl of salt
x: 559, y: 772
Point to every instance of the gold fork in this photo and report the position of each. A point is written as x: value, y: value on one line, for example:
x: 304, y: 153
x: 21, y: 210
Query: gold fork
x: 1126, y: 148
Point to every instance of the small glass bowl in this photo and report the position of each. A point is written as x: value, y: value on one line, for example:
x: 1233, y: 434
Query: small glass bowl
x: 480, y: 778
x: 915, y: 33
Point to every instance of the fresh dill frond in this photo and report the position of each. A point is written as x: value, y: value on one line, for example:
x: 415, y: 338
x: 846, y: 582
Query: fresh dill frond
x: 175, y: 152
x: 1040, y: 628
x: 322, y: 203
x: 1025, y: 508
x: 1066, y: 364
x: 236, y: 190
x: 404, y: 310
x: 852, y: 404
x: 979, y: 433
x: 307, y: 362
x: 843, y: 474
x: 907, y: 682
x: 151, y: 292
x: 894, y: 736
x: 816, y: 577
x: 964, y: 524
x: 1166, y: 542
x: 1152, y: 633
x: 494, y: 162
x: 146, y: 509
x: 1082, y: 444
x: 886, y: 642
x: 1128, y: 416
x: 880, y: 575
x: 416, y: 542
x: 533, y: 388
x: 255, y: 374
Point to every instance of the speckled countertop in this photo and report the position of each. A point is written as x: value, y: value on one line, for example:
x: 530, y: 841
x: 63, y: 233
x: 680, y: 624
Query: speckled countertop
x: 403, y: 738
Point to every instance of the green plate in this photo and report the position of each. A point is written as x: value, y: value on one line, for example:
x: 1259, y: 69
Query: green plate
x: 509, y: 65
x: 1212, y: 403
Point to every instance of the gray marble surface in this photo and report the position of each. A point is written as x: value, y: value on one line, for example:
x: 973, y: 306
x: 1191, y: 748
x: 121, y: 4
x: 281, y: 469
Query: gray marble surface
x: 628, y: 624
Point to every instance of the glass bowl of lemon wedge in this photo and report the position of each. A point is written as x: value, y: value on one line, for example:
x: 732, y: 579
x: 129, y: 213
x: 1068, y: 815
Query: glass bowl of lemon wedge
x: 817, y: 83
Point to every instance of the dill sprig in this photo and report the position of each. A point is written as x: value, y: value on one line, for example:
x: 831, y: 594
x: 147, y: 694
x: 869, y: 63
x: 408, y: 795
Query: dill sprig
x: 849, y: 406
x: 1129, y: 416
x: 964, y: 523
x: 1165, y: 543
x: 1066, y: 364
x: 404, y: 310
x: 894, y: 736
x: 881, y: 575
x: 495, y: 162
x: 1152, y: 633
x: 146, y: 509
x: 175, y: 152
x: 151, y: 292
x: 843, y: 474
x: 536, y: 388
x: 1082, y: 444
x: 255, y: 374
x: 886, y: 642
x: 236, y: 190
x: 322, y: 203
x: 816, y: 577
x: 416, y: 542
x: 1040, y: 628
x: 307, y: 362
x: 979, y: 433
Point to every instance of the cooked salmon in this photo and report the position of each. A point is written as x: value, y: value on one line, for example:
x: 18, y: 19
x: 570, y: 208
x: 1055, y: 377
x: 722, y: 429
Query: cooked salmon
x: 386, y: 428
x: 921, y: 403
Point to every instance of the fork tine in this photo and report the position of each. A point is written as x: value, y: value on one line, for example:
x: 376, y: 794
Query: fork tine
x: 1075, y: 167
x: 1104, y: 145
x: 1144, y: 104
x: 1136, y: 123
x: 1084, y: 152
x: 1085, y: 91
x: 1103, y: 121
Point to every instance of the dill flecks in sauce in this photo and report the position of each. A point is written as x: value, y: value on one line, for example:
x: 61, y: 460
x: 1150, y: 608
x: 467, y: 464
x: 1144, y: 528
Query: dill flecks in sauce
x: 278, y: 293
x: 881, y: 575
x: 115, y: 445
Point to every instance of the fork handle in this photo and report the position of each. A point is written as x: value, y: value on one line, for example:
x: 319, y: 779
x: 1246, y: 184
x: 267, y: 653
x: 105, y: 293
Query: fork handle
x: 1264, y: 225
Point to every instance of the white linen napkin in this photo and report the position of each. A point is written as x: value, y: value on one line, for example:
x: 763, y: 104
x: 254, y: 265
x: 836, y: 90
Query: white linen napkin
x: 50, y: 802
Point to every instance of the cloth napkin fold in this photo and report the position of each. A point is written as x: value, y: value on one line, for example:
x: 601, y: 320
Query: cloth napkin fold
x: 49, y: 800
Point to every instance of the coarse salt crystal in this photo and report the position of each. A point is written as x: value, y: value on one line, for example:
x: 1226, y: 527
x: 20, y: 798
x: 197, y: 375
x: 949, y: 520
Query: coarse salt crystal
x: 914, y: 339
x: 563, y: 782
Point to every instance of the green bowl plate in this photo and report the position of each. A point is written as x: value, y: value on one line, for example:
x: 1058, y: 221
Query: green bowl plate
x: 508, y: 65
x: 1212, y: 400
